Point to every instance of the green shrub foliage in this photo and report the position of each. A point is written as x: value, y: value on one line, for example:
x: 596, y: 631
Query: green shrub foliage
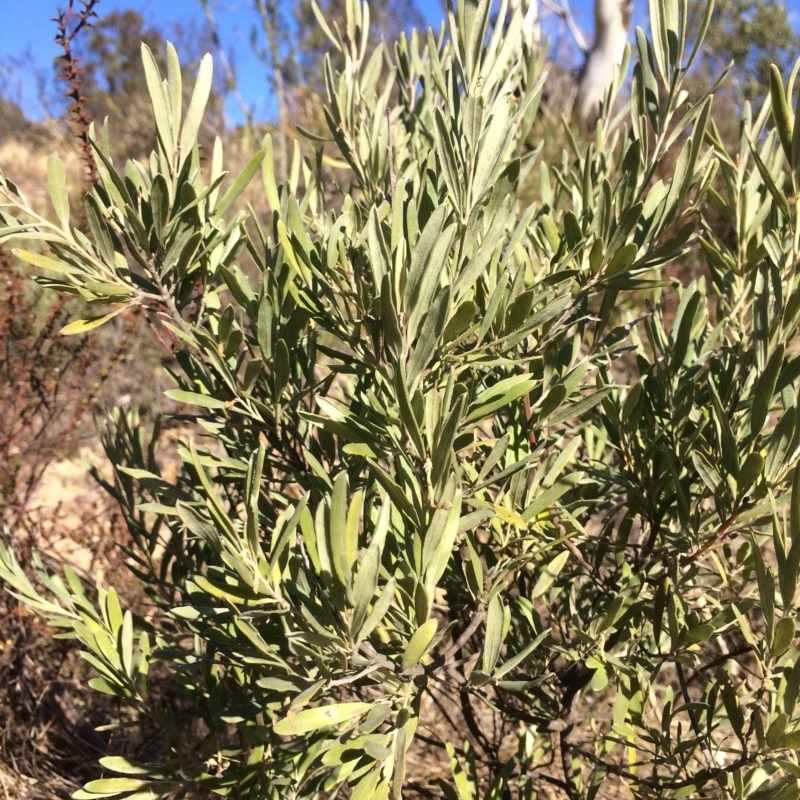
x: 454, y: 453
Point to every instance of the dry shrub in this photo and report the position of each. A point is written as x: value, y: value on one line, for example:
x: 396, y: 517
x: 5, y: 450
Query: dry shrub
x: 50, y: 387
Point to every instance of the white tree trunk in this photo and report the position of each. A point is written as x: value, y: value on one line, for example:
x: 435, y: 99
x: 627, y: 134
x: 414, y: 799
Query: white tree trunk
x: 612, y: 19
x: 531, y: 30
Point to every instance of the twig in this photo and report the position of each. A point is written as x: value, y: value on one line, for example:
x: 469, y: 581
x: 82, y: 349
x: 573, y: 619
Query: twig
x: 477, y: 618
x: 721, y: 659
x: 661, y: 785
x: 723, y: 529
x: 480, y: 737
x: 566, y: 764
x: 693, y: 718
x: 444, y: 710
x: 369, y: 669
x: 565, y: 13
x: 521, y: 715
x: 71, y: 73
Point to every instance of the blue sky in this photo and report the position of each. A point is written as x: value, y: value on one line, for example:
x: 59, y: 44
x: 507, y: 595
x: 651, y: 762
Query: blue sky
x: 26, y: 37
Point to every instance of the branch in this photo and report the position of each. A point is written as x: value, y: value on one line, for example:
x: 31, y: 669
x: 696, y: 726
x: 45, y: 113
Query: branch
x: 477, y: 618
x: 566, y: 764
x: 565, y: 13
x: 70, y: 73
x: 694, y: 718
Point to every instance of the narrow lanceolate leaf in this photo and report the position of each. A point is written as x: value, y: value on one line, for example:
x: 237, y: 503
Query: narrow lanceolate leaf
x: 366, y: 788
x: 795, y: 159
x: 57, y: 185
x: 660, y: 35
x: 392, y: 334
x: 87, y: 324
x: 421, y: 257
x: 418, y: 644
x: 765, y: 389
x: 549, y: 573
x: 458, y: 323
x: 429, y: 336
x: 197, y: 106
x: 407, y: 413
x: 125, y: 642
x: 494, y: 634
x: 344, y: 525
x: 513, y: 662
x: 788, y: 575
x: 175, y: 83
x: 769, y: 180
x: 784, y: 635
x: 503, y: 393
x: 365, y: 583
x: 621, y: 260
x: 452, y: 168
x: 312, y: 719
x: 268, y: 178
x: 443, y: 447
x: 195, y: 399
x: 399, y: 498
x: 727, y: 441
x: 766, y: 588
x: 463, y: 774
x: 780, y: 110
x: 497, y: 140
x: 241, y: 181
x: 751, y: 470
x: 158, y: 99
x: 98, y: 228
x: 126, y: 767
x: 378, y: 611
x: 440, y: 537
x: 684, y: 323
x: 108, y: 787
x: 429, y: 282
x: 45, y: 262
x: 701, y: 33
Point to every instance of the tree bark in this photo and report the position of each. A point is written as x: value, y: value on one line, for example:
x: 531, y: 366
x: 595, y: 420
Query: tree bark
x: 612, y: 20
x: 531, y: 30
x: 268, y: 12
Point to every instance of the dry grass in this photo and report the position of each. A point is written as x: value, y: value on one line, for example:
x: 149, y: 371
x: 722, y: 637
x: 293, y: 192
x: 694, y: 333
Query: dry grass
x: 27, y: 165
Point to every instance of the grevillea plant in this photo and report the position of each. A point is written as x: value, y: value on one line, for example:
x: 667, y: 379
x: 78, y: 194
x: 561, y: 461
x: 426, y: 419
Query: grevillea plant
x: 475, y: 500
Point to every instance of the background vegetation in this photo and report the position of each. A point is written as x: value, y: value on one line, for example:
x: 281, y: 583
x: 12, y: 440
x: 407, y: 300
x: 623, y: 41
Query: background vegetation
x: 468, y: 497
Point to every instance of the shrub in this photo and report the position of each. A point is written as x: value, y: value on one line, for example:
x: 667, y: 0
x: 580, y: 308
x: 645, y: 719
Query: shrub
x: 466, y: 511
